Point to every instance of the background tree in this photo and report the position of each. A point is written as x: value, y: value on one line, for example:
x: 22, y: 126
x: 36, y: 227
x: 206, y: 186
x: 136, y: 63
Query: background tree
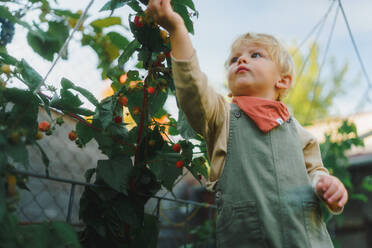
x: 312, y: 95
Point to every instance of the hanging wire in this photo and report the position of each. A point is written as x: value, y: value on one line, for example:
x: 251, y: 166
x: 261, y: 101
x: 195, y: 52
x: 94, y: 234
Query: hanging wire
x: 321, y: 66
x: 366, y: 95
x: 312, y: 30
x: 63, y: 49
x: 290, y: 94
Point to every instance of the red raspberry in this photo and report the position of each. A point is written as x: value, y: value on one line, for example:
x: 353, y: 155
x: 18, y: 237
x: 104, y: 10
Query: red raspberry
x: 179, y: 164
x: 72, y: 135
x: 44, y: 126
x: 138, y: 21
x: 176, y: 147
x: 151, y: 90
x: 123, y: 100
x: 118, y: 119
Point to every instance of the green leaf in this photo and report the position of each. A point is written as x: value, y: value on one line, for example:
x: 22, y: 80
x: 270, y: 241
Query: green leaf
x: 44, y: 158
x: 45, y: 48
x: 199, y: 165
x: 67, y: 84
x: 84, y: 132
x: 46, y: 44
x: 148, y: 236
x: 115, y: 173
x: 5, y: 13
x: 18, y: 153
x: 367, y: 183
x: 128, y: 51
x: 184, y: 127
x: 118, y: 40
x: 49, y: 234
x: 29, y: 75
x: 173, y: 127
x: 105, y: 111
x: 89, y: 174
x: 7, y: 59
x: 127, y: 211
x: 68, y: 13
x: 45, y: 103
x: 114, y: 4
x: 157, y: 101
x: 106, y: 22
x: 183, y: 12
x: 360, y: 197
x: 188, y: 3
x: 164, y: 167
x: 148, y: 36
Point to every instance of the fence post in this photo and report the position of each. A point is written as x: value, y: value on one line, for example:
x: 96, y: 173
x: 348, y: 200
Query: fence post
x: 186, y: 226
x: 70, y: 203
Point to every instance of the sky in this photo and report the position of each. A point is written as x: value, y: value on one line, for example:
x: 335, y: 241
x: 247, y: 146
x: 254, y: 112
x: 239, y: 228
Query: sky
x: 218, y: 24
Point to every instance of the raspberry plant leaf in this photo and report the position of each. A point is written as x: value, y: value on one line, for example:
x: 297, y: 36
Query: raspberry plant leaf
x: 184, y: 127
x: 85, y: 132
x: 118, y: 40
x: 67, y: 84
x: 128, y: 52
x: 106, y: 22
x: 115, y: 173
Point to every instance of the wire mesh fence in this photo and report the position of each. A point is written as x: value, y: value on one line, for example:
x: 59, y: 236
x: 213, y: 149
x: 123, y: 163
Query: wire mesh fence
x: 56, y: 196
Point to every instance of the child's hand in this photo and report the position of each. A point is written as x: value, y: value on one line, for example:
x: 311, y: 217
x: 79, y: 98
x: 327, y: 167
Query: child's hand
x: 332, y: 191
x: 162, y: 13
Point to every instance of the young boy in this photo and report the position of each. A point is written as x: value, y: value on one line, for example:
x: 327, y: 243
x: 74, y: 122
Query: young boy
x: 266, y: 169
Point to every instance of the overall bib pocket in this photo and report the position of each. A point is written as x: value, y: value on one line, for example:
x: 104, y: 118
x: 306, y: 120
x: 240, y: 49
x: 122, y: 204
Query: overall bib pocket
x: 238, y: 225
x: 315, y: 226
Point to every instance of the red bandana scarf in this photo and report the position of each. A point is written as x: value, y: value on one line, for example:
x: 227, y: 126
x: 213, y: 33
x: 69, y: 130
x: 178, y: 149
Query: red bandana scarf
x: 266, y: 113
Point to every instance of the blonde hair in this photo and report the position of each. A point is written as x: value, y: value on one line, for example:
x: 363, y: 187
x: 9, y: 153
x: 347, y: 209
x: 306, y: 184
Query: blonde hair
x: 276, y: 50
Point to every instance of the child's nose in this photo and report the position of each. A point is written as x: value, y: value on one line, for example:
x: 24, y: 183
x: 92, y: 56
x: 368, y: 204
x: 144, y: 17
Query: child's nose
x: 242, y: 59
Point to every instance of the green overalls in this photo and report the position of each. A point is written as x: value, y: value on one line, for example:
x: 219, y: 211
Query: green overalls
x: 264, y: 196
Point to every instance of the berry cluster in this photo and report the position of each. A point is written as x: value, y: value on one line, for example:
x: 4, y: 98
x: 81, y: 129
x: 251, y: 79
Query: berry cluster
x: 7, y: 31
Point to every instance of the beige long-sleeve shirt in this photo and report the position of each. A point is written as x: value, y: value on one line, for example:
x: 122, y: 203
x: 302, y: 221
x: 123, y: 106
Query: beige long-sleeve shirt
x: 208, y: 114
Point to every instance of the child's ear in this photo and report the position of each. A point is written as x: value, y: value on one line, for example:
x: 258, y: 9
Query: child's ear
x: 285, y: 82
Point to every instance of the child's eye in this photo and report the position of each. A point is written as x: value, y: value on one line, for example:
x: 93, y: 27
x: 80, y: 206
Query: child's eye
x: 254, y: 55
x: 234, y: 59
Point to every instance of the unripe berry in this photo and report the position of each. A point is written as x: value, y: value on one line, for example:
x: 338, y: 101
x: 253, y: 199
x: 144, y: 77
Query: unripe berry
x: 136, y: 110
x: 44, y: 126
x: 151, y: 142
x: 179, y: 164
x: 123, y: 78
x: 161, y: 57
x: 164, y: 36
x: 6, y: 69
x: 176, y: 147
x: 38, y: 135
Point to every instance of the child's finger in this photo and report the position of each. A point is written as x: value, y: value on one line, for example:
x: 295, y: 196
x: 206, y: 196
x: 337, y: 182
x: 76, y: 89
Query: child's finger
x: 336, y: 196
x: 324, y: 183
x: 331, y: 190
x: 343, y: 200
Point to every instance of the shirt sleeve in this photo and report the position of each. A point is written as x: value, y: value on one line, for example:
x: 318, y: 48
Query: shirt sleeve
x: 313, y: 161
x: 202, y: 105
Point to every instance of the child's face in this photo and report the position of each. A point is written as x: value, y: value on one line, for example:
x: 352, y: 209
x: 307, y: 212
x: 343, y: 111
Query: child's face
x: 251, y: 72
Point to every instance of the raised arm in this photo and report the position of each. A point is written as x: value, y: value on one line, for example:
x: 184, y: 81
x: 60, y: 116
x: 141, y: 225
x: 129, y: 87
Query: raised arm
x: 204, y: 108
x: 163, y: 14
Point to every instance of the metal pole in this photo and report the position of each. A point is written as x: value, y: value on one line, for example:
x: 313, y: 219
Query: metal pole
x: 186, y: 227
x: 70, y: 203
